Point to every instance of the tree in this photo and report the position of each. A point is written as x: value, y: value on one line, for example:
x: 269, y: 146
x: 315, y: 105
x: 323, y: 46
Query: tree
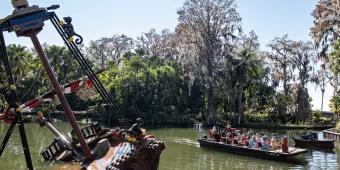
x: 205, y: 30
x: 63, y: 63
x: 335, y: 58
x: 21, y: 62
x: 304, y: 59
x: 109, y: 49
x: 334, y: 105
x: 157, y: 45
x: 322, y: 78
x: 243, y: 69
x: 326, y: 30
x: 282, y: 61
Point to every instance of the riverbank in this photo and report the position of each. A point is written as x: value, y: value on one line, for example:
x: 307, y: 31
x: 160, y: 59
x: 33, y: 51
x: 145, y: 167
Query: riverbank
x: 150, y: 125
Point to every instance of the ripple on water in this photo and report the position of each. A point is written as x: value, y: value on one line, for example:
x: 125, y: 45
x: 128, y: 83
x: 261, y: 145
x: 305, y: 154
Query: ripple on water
x: 181, y: 140
x: 322, y: 160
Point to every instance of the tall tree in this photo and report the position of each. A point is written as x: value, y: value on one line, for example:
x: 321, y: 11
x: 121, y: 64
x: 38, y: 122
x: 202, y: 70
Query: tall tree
x: 205, y: 30
x: 109, y: 49
x: 243, y: 69
x: 154, y: 45
x: 63, y: 63
x: 282, y: 61
x: 326, y: 30
x: 304, y: 59
x: 322, y: 78
x: 334, y: 62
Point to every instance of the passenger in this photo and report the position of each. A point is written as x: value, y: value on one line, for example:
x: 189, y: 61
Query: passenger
x: 223, y: 137
x: 243, y: 140
x: 285, y: 145
x: 259, y: 142
x: 275, y: 145
x: 235, y: 140
x: 227, y: 128
x: 265, y: 143
x: 229, y: 138
x: 216, y: 133
x: 252, y: 142
x: 247, y: 140
x: 237, y: 137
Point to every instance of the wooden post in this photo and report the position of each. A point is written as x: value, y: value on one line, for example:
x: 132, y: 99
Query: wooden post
x: 60, y: 94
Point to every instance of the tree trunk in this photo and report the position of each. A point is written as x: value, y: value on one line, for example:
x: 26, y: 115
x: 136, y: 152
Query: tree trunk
x: 211, y: 106
x: 322, y: 95
x: 285, y: 86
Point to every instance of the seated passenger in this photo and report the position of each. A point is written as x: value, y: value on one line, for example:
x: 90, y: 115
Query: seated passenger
x: 229, y: 138
x: 265, y: 143
x: 252, y: 142
x: 223, y: 139
x: 275, y: 144
x: 216, y: 133
x: 243, y: 140
x: 285, y: 145
x: 235, y: 140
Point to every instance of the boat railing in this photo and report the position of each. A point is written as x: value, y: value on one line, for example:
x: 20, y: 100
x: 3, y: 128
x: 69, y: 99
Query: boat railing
x: 53, y: 150
x: 88, y: 132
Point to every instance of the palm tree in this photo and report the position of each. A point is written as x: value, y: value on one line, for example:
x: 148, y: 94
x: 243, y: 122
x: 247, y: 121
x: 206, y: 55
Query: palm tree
x: 247, y: 69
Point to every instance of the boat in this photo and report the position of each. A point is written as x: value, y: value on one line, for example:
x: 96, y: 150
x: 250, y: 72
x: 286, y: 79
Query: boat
x: 273, y: 155
x: 311, y: 140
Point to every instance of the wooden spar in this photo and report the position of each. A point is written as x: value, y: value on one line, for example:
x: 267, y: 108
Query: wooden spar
x: 60, y: 93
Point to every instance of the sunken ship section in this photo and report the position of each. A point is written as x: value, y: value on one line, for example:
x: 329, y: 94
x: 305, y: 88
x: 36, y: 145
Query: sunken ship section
x: 110, y: 148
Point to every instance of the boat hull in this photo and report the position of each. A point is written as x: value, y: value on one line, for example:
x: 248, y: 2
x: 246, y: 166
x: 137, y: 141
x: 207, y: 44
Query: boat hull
x: 322, y: 144
x: 251, y: 152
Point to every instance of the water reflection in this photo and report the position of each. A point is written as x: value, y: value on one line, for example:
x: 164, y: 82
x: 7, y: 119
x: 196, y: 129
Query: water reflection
x: 182, y: 152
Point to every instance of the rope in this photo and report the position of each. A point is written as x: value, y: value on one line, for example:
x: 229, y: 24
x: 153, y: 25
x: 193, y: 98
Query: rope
x: 31, y: 87
x: 117, y: 113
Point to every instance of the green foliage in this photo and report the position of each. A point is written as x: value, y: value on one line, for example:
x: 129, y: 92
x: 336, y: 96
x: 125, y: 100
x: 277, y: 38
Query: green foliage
x: 334, y: 104
x: 337, y: 127
x: 144, y: 89
x: 258, y: 117
x: 316, y: 116
x: 334, y: 59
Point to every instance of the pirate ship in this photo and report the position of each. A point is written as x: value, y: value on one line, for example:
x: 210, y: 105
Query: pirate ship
x: 93, y: 147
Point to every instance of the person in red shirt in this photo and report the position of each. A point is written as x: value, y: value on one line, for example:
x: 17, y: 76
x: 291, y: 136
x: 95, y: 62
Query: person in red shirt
x: 285, y: 145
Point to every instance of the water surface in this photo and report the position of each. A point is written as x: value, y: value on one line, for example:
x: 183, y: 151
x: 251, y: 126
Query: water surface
x: 182, y: 152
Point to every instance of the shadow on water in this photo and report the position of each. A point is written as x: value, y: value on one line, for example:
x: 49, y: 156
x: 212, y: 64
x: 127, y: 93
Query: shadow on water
x: 298, y: 160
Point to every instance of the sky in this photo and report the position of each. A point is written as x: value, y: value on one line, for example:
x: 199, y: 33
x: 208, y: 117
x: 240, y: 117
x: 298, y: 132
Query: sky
x: 96, y: 19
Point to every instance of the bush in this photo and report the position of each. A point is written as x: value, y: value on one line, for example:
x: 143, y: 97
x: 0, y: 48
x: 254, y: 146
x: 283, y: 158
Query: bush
x: 337, y: 127
x: 316, y: 116
x: 256, y: 117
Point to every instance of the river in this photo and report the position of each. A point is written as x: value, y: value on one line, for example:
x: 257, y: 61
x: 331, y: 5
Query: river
x: 182, y: 152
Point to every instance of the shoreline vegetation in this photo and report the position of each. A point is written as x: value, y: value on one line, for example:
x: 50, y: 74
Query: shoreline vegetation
x: 207, y: 70
x: 332, y: 127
